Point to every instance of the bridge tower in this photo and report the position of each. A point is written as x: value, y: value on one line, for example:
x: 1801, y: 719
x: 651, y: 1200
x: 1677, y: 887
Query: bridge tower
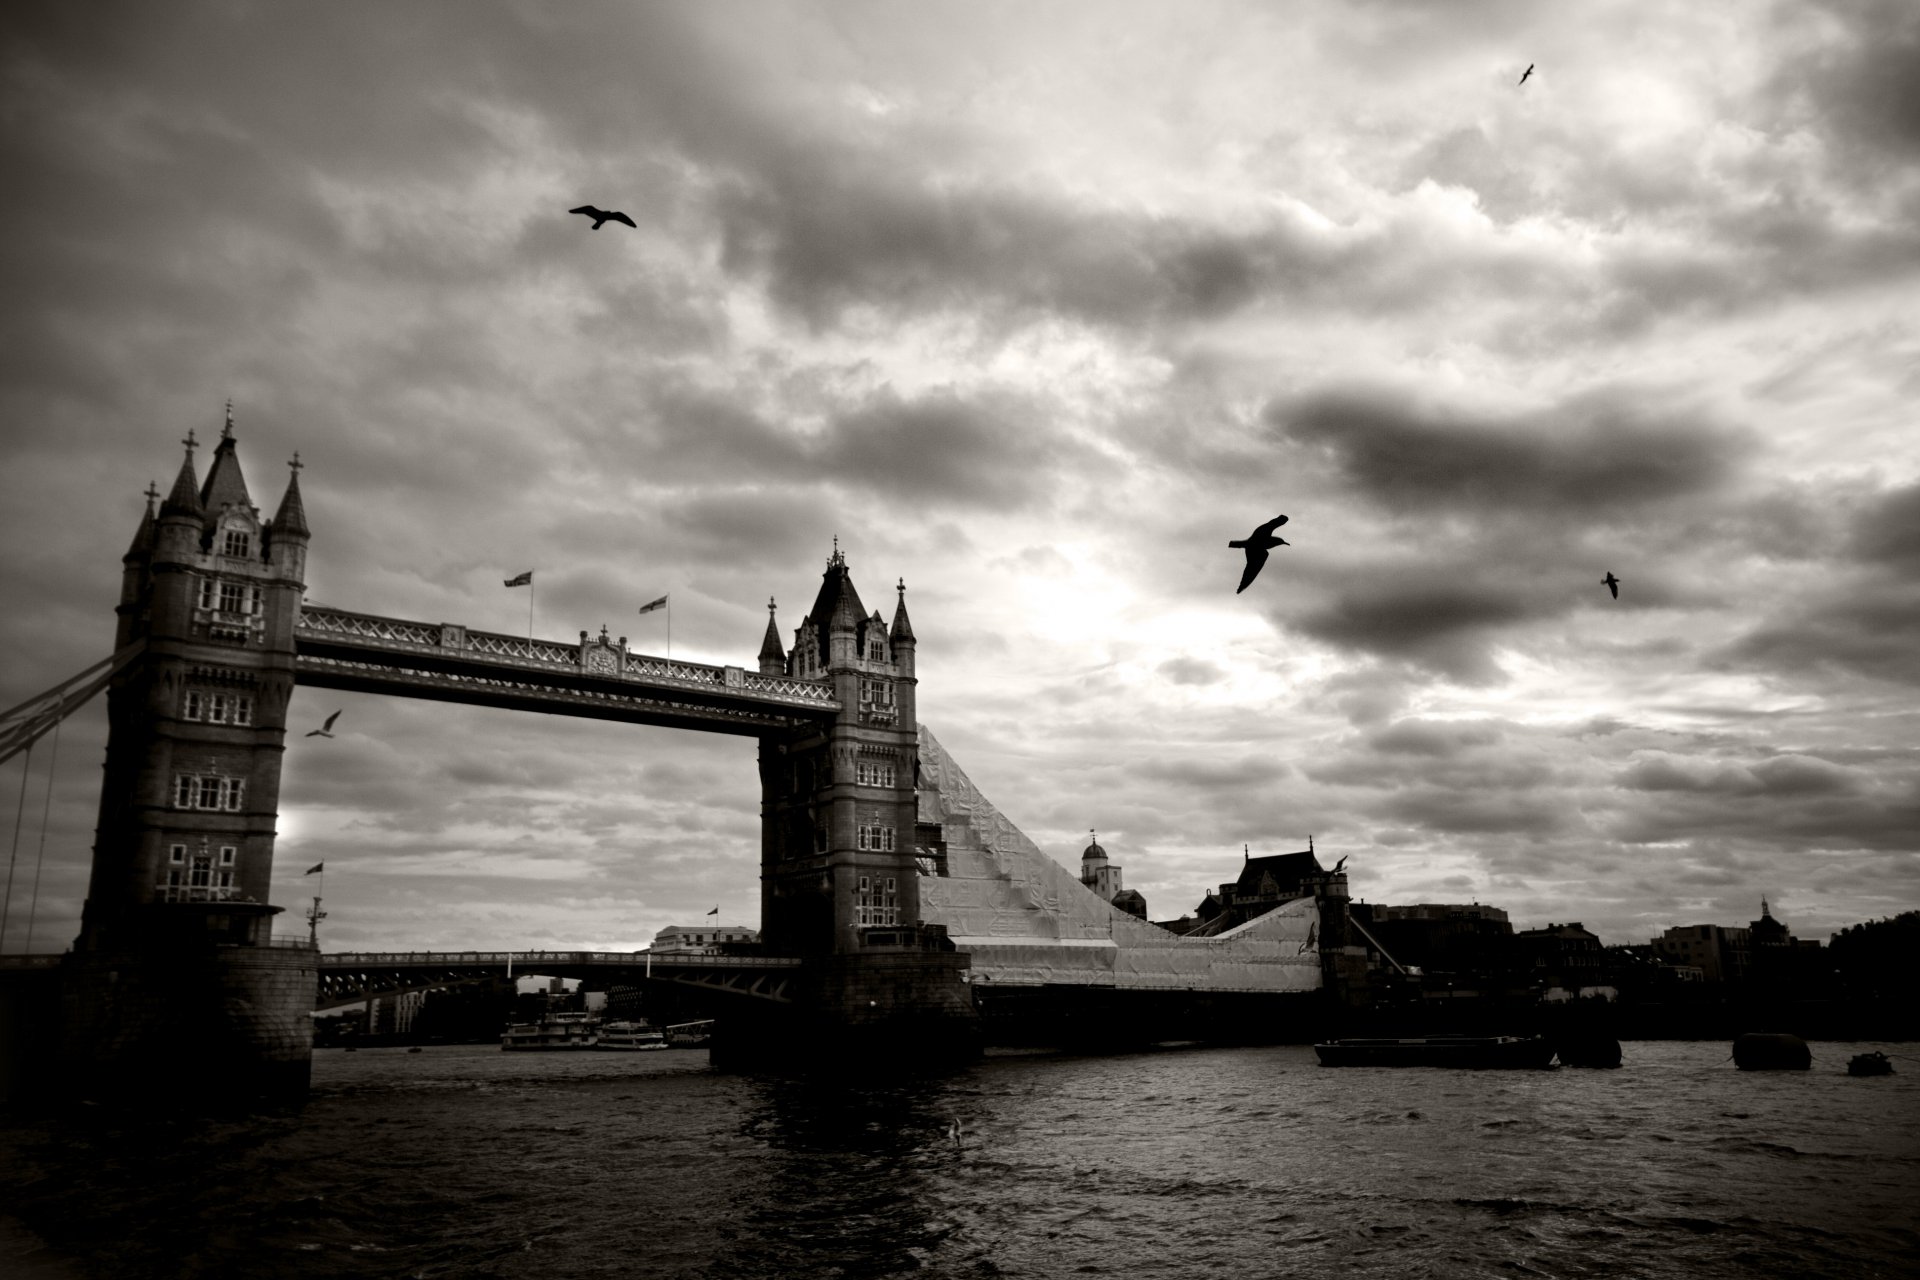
x: 175, y: 971
x: 838, y: 866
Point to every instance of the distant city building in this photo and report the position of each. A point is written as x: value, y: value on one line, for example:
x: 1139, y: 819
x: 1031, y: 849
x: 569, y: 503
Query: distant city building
x: 394, y: 1015
x: 1445, y: 937
x: 1721, y: 954
x: 1103, y: 878
x: 699, y: 940
x: 1265, y: 883
x: 1564, y: 958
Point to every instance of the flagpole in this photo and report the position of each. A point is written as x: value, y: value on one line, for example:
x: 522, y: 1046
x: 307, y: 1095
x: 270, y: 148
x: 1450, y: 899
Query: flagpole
x: 531, y: 588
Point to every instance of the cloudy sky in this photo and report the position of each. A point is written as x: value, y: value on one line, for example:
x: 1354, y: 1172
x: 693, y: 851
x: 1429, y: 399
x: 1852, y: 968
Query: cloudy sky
x: 1035, y: 306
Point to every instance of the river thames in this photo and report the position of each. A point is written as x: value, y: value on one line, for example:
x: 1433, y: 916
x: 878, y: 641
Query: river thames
x: 463, y: 1161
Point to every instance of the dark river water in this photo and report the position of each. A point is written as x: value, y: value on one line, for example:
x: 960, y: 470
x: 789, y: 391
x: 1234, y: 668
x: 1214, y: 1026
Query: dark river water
x: 464, y: 1161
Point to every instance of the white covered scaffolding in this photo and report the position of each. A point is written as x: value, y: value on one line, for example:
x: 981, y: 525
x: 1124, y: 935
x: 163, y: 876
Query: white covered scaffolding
x: 1027, y: 920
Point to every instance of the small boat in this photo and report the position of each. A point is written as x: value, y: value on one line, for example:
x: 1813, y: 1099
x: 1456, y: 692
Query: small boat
x: 630, y: 1037
x: 1870, y: 1064
x: 555, y: 1031
x: 1473, y: 1052
x: 1771, y: 1051
x: 690, y: 1035
x: 1587, y: 1049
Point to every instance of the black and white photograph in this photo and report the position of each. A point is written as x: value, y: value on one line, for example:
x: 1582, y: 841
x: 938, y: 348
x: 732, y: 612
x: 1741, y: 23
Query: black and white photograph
x: 826, y: 638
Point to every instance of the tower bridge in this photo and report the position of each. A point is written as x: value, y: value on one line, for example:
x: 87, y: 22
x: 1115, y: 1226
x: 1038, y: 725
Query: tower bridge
x: 896, y: 903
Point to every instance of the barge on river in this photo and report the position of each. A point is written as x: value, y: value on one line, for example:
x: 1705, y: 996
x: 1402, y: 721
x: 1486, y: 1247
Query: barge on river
x: 1475, y: 1052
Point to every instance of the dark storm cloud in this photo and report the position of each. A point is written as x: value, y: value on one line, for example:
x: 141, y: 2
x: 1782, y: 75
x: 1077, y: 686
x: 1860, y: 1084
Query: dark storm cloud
x: 1409, y: 614
x: 1863, y: 90
x: 989, y: 450
x: 1597, y: 454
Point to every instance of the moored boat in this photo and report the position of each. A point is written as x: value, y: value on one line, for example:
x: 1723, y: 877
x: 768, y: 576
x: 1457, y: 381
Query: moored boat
x: 630, y: 1037
x: 1771, y: 1051
x: 690, y: 1035
x: 555, y: 1031
x: 1472, y: 1052
x: 1870, y: 1064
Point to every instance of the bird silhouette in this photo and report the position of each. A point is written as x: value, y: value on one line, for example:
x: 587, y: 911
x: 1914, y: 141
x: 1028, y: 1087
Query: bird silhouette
x: 604, y: 215
x: 322, y: 731
x: 1613, y: 584
x: 1257, y: 544
x: 1523, y: 80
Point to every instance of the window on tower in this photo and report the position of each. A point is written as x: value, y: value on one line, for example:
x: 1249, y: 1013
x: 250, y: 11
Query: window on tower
x: 233, y: 597
x: 207, y: 791
x: 235, y: 544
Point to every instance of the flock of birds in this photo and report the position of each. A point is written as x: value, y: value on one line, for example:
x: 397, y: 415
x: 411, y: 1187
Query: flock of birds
x: 1263, y: 539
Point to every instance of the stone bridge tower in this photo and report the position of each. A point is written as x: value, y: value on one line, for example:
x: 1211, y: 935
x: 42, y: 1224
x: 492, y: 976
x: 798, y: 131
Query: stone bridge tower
x: 838, y: 865
x: 176, y: 932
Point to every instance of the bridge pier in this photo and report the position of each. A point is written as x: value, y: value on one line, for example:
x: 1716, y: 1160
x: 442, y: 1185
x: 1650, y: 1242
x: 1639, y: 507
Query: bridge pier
x: 887, y: 1008
x: 188, y: 1025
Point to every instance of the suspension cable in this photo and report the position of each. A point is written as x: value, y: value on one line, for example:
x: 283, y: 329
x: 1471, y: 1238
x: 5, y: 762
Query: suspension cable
x: 20, y: 810
x: 40, y: 859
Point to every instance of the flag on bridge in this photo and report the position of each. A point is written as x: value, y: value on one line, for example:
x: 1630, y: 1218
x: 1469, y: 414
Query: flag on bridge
x: 524, y: 580
x: 318, y: 866
x: 714, y: 912
x: 649, y: 607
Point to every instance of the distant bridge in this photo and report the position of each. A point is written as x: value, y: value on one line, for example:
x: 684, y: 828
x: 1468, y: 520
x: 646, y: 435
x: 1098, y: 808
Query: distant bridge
x: 353, y: 977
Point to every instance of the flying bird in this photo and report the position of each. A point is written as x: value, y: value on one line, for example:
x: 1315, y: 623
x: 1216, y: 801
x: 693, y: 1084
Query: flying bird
x: 1257, y: 544
x: 1523, y: 80
x: 604, y: 215
x: 1613, y: 584
x: 324, y: 730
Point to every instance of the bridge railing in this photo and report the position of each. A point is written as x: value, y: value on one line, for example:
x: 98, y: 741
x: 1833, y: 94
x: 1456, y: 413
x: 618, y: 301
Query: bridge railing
x: 398, y: 634
x: 527, y: 961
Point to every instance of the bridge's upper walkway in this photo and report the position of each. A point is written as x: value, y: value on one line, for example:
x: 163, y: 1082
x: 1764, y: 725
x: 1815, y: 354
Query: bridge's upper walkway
x: 596, y: 678
x: 349, y: 977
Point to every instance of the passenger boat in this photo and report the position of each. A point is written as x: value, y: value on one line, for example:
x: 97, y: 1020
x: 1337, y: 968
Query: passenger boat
x: 555, y: 1031
x: 630, y: 1036
x: 1478, y: 1052
x: 690, y: 1035
x: 1870, y: 1064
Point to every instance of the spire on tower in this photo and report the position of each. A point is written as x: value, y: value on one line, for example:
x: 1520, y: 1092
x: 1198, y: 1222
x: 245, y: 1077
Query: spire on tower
x: 773, y: 658
x: 902, y: 630
x: 143, y: 537
x: 184, y: 499
x: 290, y: 521
x: 224, y: 482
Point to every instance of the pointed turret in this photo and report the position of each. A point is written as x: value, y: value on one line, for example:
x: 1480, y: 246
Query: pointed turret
x: 225, y: 485
x: 184, y: 500
x: 902, y: 629
x: 142, y: 544
x: 773, y: 658
x: 290, y: 521
x: 837, y: 616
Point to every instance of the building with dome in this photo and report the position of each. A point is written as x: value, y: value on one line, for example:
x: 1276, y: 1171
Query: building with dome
x: 1103, y: 878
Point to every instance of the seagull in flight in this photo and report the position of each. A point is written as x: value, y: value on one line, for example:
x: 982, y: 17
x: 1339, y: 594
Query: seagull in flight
x: 1523, y: 80
x: 604, y: 215
x: 1257, y: 544
x: 324, y: 731
x: 1613, y: 584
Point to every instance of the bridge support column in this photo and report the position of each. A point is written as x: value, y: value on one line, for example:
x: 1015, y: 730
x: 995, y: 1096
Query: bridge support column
x: 188, y: 1025
x: 886, y: 1008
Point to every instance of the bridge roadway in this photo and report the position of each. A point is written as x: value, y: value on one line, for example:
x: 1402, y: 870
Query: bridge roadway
x: 353, y: 976
x: 596, y: 678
